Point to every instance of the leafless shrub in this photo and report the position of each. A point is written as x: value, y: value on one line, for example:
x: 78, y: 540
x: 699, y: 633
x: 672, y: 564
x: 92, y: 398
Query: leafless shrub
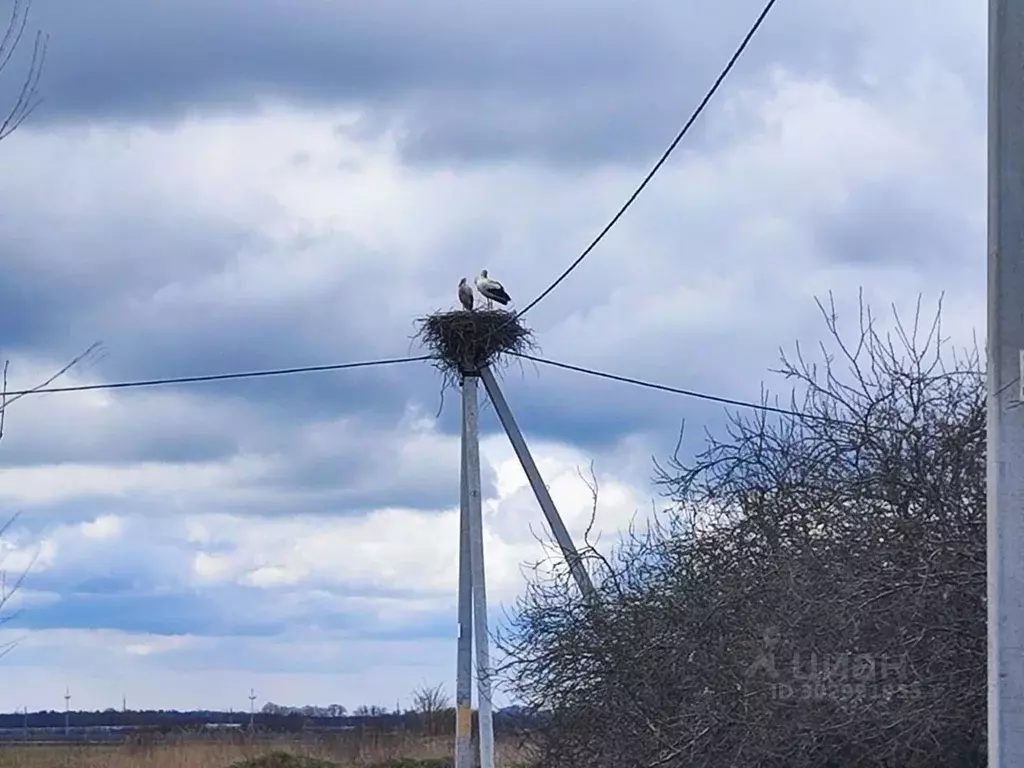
x: 815, y: 596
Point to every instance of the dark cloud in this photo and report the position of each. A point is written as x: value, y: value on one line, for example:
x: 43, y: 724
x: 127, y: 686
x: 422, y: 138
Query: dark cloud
x: 31, y: 308
x: 57, y: 279
x: 117, y: 58
x: 567, y: 83
x: 130, y: 605
x: 121, y: 608
x: 157, y: 436
x: 171, y: 289
x: 889, y: 224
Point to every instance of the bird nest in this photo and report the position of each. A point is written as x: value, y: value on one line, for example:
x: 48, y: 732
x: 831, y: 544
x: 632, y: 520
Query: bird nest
x: 469, y: 340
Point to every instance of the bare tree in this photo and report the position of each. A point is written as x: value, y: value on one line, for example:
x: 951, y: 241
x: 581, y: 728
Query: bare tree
x: 28, y: 95
x: 433, y: 705
x: 815, y: 596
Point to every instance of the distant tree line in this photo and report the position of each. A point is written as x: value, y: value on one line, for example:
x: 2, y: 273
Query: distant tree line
x: 309, y: 710
x: 271, y: 718
x: 814, y: 597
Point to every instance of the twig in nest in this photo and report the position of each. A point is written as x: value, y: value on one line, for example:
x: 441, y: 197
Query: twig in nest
x: 461, y: 341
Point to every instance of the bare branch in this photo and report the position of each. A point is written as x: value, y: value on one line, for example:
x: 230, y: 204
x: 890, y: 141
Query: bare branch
x: 8, y: 587
x: 6, y: 399
x: 28, y: 96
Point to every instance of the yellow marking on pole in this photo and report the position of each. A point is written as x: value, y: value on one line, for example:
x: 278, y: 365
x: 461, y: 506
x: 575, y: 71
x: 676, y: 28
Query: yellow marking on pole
x: 464, y: 720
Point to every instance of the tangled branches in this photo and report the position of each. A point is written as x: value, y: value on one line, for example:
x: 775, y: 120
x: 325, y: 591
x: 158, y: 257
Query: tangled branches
x: 470, y: 340
x: 816, y: 597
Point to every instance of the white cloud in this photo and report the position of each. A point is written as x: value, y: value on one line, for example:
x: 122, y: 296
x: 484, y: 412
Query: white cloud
x: 103, y: 528
x: 48, y: 484
x: 411, y: 551
x: 18, y: 556
x: 155, y: 644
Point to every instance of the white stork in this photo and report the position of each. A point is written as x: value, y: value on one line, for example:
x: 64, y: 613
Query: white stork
x: 465, y: 294
x: 491, y: 289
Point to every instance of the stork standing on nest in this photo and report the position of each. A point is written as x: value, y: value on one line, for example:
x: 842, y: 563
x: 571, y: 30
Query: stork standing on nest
x: 466, y: 295
x: 491, y: 289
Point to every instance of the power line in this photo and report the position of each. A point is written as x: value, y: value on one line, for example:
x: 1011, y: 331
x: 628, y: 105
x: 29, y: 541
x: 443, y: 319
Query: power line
x: 661, y: 161
x: 216, y: 377
x: 666, y: 388
x: 695, y: 394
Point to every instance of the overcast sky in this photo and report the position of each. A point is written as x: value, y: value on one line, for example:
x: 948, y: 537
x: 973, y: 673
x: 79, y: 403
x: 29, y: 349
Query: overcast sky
x: 208, y: 189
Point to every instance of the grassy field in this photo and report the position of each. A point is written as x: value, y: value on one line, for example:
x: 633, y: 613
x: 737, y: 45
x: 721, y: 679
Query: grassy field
x: 378, y: 751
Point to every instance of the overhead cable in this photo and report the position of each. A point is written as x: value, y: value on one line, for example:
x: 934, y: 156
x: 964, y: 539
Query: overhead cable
x: 215, y: 377
x: 661, y: 161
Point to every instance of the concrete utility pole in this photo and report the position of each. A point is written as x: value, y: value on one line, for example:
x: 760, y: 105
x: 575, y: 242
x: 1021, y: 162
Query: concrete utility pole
x: 67, y: 711
x: 252, y: 708
x: 471, y: 456
x: 540, y: 490
x: 472, y: 583
x: 464, y: 664
x: 1006, y: 385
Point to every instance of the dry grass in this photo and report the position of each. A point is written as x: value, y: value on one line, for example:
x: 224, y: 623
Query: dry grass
x: 371, y: 751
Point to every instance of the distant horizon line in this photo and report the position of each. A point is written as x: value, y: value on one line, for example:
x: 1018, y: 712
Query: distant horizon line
x: 231, y: 711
